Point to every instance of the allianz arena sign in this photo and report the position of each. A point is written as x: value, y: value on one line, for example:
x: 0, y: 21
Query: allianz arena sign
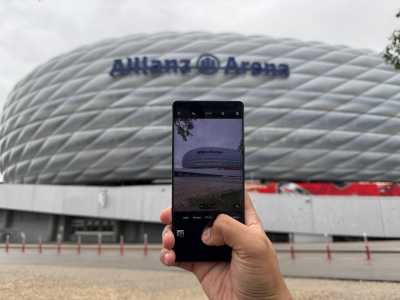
x: 206, y: 64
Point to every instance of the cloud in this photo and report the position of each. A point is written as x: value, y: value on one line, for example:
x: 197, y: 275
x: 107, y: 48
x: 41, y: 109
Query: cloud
x: 33, y: 31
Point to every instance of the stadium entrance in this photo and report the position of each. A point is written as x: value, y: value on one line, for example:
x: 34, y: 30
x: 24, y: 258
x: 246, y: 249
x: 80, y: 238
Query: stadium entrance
x: 89, y: 229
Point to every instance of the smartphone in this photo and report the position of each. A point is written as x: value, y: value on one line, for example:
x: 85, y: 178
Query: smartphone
x: 207, y: 173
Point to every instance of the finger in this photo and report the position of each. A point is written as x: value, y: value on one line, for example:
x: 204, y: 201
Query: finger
x: 250, y: 214
x: 166, y: 216
x: 168, y: 238
x: 200, y: 269
x: 165, y: 229
x: 225, y: 231
x: 167, y: 257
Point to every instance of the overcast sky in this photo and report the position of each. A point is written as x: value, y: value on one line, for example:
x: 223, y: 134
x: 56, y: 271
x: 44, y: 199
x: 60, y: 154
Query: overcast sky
x: 32, y: 31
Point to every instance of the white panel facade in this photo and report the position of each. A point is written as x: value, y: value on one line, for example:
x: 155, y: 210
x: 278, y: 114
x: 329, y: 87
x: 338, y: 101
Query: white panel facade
x: 336, y: 117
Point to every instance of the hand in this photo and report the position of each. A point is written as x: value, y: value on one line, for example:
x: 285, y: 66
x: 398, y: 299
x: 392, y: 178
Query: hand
x: 253, y: 272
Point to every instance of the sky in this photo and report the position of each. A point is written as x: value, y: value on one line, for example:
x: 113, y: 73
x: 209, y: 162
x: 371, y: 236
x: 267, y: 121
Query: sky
x: 33, y: 31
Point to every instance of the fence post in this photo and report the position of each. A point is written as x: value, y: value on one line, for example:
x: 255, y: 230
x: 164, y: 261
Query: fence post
x: 99, y: 241
x: 121, y: 245
x: 367, y: 249
x: 78, y: 244
x: 23, y: 242
x: 40, y: 247
x: 291, y: 245
x: 59, y: 244
x: 328, y: 248
x: 146, y: 246
x: 7, y: 247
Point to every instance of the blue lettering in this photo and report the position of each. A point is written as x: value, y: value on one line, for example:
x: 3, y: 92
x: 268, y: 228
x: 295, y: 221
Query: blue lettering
x: 185, y: 66
x: 145, y: 67
x: 256, y: 68
x: 118, y: 68
x: 156, y: 66
x: 231, y: 66
x: 270, y: 70
x: 244, y: 67
x: 171, y: 65
x: 133, y: 66
x: 284, y: 70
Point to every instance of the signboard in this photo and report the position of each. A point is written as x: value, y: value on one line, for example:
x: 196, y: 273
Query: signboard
x: 206, y: 64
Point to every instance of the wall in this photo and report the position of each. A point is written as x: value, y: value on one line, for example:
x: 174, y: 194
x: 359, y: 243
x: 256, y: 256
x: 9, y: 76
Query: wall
x: 377, y: 216
x: 33, y: 225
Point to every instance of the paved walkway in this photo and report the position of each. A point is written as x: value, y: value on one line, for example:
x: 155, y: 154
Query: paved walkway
x: 42, y: 282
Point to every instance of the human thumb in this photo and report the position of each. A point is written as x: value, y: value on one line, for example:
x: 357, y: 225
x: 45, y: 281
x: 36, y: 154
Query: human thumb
x: 225, y: 231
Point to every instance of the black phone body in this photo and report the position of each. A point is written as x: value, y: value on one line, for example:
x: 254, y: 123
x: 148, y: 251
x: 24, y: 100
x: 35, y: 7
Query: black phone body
x: 207, y: 173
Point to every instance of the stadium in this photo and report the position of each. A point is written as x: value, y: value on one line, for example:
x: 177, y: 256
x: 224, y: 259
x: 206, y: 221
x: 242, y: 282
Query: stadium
x: 212, y: 158
x: 85, y: 139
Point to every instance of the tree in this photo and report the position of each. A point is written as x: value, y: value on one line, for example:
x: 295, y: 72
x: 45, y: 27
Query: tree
x: 392, y: 51
x: 184, y: 126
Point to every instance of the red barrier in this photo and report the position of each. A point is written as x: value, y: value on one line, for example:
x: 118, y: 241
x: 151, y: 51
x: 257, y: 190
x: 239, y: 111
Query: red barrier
x: 367, y: 249
x: 328, y: 248
x: 291, y: 246
x: 146, y: 244
x: 78, y: 245
x: 59, y: 245
x: 328, y: 253
x: 23, y: 242
x: 7, y: 247
x: 292, y: 252
x: 121, y: 245
x: 99, y: 244
x: 368, y: 252
x: 40, y: 246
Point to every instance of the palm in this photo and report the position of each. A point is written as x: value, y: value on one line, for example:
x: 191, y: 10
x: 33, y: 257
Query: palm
x: 214, y: 277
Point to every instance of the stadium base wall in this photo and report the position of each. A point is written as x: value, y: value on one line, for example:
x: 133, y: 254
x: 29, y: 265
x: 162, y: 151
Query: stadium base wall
x: 48, y: 227
x: 32, y: 225
x: 141, y: 205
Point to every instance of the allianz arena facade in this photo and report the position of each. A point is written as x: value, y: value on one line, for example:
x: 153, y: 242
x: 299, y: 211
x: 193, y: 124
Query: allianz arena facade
x: 101, y: 114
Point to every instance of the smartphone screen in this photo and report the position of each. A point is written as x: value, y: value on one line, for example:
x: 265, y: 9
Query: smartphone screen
x: 208, y: 173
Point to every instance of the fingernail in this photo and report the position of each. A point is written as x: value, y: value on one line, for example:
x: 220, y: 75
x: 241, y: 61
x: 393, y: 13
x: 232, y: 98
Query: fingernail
x: 206, y: 235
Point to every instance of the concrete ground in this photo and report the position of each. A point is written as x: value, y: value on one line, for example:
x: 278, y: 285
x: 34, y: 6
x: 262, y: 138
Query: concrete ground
x: 33, y: 282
